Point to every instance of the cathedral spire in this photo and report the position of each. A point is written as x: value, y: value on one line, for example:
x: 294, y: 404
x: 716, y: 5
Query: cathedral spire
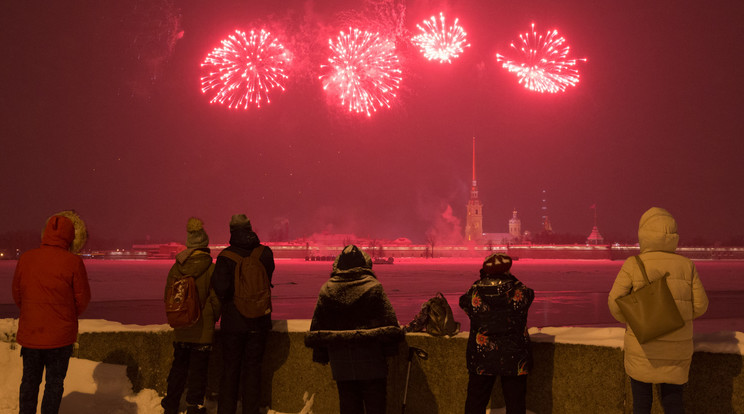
x: 474, y: 219
x: 474, y: 162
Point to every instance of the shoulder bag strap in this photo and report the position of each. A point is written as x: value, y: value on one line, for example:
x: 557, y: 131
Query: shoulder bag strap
x: 643, y: 269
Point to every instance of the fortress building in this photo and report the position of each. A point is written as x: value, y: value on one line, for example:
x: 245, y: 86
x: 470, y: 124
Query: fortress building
x: 474, y: 219
x: 515, y: 225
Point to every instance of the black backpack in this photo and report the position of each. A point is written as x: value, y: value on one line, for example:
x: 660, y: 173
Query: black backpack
x: 435, y: 318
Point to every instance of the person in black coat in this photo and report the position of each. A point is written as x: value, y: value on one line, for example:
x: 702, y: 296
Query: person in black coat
x: 499, y: 344
x: 354, y: 327
x: 243, y: 339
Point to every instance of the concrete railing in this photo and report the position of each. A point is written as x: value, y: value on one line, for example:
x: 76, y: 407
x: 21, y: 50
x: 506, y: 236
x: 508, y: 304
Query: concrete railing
x: 567, y: 378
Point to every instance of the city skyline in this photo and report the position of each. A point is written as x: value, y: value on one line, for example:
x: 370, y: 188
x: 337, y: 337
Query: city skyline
x: 102, y: 112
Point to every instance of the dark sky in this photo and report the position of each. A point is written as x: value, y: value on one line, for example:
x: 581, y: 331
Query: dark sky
x: 101, y: 111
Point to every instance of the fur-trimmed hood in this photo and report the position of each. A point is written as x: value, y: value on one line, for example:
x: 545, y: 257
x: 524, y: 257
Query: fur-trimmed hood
x: 74, y: 243
x: 326, y: 338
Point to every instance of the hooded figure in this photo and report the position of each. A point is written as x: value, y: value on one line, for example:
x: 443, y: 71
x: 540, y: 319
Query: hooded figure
x: 354, y: 327
x: 243, y: 339
x: 50, y: 286
x: 192, y: 345
x: 498, y: 345
x: 665, y: 360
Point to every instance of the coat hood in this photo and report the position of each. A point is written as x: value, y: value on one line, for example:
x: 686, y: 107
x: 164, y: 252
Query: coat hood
x: 79, y: 233
x: 657, y: 231
x: 193, y: 262
x: 59, y: 232
x: 244, y: 237
x: 494, y: 288
x: 351, y: 262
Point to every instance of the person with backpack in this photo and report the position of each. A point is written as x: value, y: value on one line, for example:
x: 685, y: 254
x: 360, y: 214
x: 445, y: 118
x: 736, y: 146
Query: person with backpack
x: 499, y: 344
x: 354, y: 327
x: 192, y: 309
x: 50, y: 286
x: 242, y: 281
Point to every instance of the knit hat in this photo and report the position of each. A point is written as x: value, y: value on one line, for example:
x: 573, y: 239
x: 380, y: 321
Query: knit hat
x: 496, y: 264
x: 240, y: 221
x: 197, y: 237
x: 351, y: 257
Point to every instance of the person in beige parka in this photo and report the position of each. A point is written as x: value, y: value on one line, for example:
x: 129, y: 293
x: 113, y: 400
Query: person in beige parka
x: 666, y: 359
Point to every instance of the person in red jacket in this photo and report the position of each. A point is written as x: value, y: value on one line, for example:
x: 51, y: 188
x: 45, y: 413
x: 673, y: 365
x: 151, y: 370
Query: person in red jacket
x: 50, y: 286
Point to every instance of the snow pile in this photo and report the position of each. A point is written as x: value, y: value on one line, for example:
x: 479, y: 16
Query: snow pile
x: 90, y: 386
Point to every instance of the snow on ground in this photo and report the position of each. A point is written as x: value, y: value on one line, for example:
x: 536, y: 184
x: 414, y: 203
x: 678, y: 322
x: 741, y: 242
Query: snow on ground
x: 93, y: 386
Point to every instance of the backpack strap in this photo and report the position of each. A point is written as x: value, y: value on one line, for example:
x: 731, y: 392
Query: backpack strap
x: 257, y: 251
x: 255, y: 254
x: 232, y: 255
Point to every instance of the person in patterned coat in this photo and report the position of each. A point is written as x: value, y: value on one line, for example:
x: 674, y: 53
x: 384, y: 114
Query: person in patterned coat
x: 499, y: 345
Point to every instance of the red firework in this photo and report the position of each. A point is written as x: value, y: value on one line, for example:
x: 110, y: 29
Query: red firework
x: 245, y: 69
x: 439, y: 42
x: 542, y: 62
x: 363, y: 71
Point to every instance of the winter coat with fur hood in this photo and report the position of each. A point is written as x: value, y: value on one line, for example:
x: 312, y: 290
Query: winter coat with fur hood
x: 198, y: 264
x: 50, y: 286
x: 354, y: 326
x: 667, y: 358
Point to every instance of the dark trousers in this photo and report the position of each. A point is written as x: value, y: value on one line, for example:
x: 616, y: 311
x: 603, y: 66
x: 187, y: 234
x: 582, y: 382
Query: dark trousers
x: 643, y: 397
x: 479, y: 392
x: 35, y: 361
x: 189, y: 371
x: 242, y: 354
x: 362, y: 397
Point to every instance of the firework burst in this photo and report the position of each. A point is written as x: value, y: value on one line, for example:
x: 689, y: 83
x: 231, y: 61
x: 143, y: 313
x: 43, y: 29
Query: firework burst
x: 363, y: 71
x: 439, y: 42
x: 542, y: 64
x: 245, y: 69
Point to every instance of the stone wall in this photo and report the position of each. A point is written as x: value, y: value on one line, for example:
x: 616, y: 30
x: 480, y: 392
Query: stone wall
x: 567, y: 378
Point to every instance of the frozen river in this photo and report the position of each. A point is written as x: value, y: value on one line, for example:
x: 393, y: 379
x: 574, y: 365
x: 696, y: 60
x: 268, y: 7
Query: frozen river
x: 568, y: 292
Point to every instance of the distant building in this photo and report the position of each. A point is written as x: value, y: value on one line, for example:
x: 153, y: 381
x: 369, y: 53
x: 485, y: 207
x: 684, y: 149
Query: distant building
x: 499, y: 238
x: 515, y: 225
x: 595, y: 237
x: 545, y: 224
x: 474, y: 219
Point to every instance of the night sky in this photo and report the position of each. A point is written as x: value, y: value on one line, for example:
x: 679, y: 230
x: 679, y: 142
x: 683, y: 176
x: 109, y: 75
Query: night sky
x: 101, y: 111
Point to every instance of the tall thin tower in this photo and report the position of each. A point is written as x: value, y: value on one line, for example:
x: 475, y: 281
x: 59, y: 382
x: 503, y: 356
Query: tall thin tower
x: 474, y: 220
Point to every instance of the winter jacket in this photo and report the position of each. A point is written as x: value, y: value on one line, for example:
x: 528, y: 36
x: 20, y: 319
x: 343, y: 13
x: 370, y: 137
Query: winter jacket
x: 50, y: 286
x: 354, y: 326
x: 198, y: 264
x: 667, y: 358
x: 498, y: 343
x: 242, y: 242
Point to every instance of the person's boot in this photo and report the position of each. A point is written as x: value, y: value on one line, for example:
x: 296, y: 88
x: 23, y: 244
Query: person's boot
x: 168, y: 407
x: 196, y: 409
